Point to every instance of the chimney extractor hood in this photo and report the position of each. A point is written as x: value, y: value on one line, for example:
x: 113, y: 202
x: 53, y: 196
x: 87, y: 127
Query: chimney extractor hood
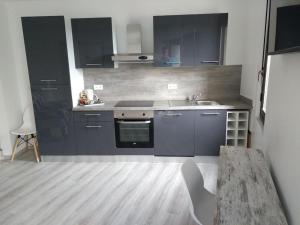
x: 134, y: 47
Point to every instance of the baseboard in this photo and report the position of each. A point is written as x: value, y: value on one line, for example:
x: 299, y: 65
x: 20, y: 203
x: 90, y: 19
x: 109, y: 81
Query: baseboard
x: 127, y: 158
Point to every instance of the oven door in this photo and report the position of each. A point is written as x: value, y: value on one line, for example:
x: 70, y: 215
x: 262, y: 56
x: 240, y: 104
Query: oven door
x: 134, y: 133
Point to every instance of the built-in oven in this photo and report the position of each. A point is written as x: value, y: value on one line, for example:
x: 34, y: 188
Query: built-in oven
x: 134, y: 129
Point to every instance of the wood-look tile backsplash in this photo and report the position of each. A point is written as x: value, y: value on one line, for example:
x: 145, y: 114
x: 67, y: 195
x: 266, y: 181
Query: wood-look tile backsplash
x: 145, y: 82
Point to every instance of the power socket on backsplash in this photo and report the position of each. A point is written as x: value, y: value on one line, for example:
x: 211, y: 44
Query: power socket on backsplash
x: 98, y: 87
x: 172, y: 86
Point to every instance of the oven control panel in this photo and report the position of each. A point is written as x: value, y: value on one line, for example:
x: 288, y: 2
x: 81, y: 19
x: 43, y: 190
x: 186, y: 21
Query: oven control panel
x: 133, y: 114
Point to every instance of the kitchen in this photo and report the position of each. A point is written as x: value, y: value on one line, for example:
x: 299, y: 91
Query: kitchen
x: 159, y: 86
x: 51, y: 92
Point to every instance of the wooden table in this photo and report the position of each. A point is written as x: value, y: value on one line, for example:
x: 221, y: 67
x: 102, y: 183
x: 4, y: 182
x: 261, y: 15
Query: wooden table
x: 246, y: 194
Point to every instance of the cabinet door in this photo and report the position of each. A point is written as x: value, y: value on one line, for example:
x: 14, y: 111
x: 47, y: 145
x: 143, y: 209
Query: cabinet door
x: 51, y: 98
x: 188, y: 40
x: 96, y: 138
x: 54, y: 119
x: 94, y: 116
x: 174, y: 133
x: 46, y: 50
x: 210, y: 131
x: 167, y: 40
x: 55, y: 132
x: 93, y: 42
x: 209, y: 38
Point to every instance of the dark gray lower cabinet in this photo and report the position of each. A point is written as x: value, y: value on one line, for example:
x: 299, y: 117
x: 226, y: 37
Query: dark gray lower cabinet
x: 174, y: 133
x: 210, y: 131
x: 55, y: 131
x: 54, y: 119
x: 95, y: 134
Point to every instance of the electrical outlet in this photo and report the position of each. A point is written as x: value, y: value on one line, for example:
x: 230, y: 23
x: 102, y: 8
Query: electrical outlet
x: 172, y: 86
x: 98, y: 87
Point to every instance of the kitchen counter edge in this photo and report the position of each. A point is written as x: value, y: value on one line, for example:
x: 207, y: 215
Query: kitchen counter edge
x: 164, y: 105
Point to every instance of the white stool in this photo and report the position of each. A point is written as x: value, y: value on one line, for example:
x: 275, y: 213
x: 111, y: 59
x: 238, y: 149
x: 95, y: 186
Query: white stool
x: 25, y: 133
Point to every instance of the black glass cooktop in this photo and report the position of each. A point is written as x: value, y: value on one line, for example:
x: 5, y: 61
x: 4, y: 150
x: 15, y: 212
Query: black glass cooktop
x: 134, y: 104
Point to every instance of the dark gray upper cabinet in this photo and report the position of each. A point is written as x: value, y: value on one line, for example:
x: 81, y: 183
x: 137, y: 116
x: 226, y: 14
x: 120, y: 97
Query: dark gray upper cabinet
x: 174, y: 133
x: 209, y: 38
x: 210, y: 131
x: 46, y: 50
x: 188, y: 35
x: 93, y: 42
x: 95, y: 133
x: 189, y: 40
x: 167, y: 40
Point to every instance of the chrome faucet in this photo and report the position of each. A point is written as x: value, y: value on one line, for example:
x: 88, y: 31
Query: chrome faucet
x: 194, y: 98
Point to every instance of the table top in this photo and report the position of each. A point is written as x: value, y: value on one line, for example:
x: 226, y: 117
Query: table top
x: 246, y: 194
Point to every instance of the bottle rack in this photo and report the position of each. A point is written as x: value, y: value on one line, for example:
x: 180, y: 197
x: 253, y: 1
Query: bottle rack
x: 237, y: 128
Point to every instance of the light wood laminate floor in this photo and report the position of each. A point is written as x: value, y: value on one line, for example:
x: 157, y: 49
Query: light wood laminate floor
x: 96, y: 193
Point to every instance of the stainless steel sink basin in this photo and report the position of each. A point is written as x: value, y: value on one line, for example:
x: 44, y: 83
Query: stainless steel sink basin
x: 179, y: 103
x: 206, y: 103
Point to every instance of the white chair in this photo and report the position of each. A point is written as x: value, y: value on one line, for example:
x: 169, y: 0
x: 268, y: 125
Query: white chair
x: 25, y: 133
x: 203, y: 203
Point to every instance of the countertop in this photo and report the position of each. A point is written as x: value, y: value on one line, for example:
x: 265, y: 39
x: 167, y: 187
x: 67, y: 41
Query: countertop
x: 246, y: 193
x: 239, y: 104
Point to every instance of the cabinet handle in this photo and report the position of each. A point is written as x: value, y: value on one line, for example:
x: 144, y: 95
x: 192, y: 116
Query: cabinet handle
x: 210, y: 114
x: 94, y: 64
x: 172, y: 63
x: 221, y: 47
x: 92, y: 114
x: 49, y: 89
x: 48, y: 80
x: 93, y: 126
x: 210, y: 61
x: 173, y: 114
x: 134, y: 122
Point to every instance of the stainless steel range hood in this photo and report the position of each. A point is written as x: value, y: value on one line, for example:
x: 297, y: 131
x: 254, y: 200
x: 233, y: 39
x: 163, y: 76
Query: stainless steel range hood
x: 134, y: 47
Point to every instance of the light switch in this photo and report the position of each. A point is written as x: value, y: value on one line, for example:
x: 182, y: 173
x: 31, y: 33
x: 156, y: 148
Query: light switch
x: 98, y: 87
x: 172, y: 86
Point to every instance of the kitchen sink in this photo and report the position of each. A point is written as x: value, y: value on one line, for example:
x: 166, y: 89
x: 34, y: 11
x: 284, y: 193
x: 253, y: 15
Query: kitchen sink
x: 206, y: 103
x: 179, y: 103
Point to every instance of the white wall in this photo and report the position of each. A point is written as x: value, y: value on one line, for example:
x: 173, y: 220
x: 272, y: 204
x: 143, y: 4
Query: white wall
x: 10, y: 105
x: 253, y: 28
x: 253, y: 46
x: 282, y: 130
x: 250, y: 85
x: 279, y: 137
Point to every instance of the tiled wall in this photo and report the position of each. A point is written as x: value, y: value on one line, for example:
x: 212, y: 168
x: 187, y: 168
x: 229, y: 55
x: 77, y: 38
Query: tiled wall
x: 145, y: 82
